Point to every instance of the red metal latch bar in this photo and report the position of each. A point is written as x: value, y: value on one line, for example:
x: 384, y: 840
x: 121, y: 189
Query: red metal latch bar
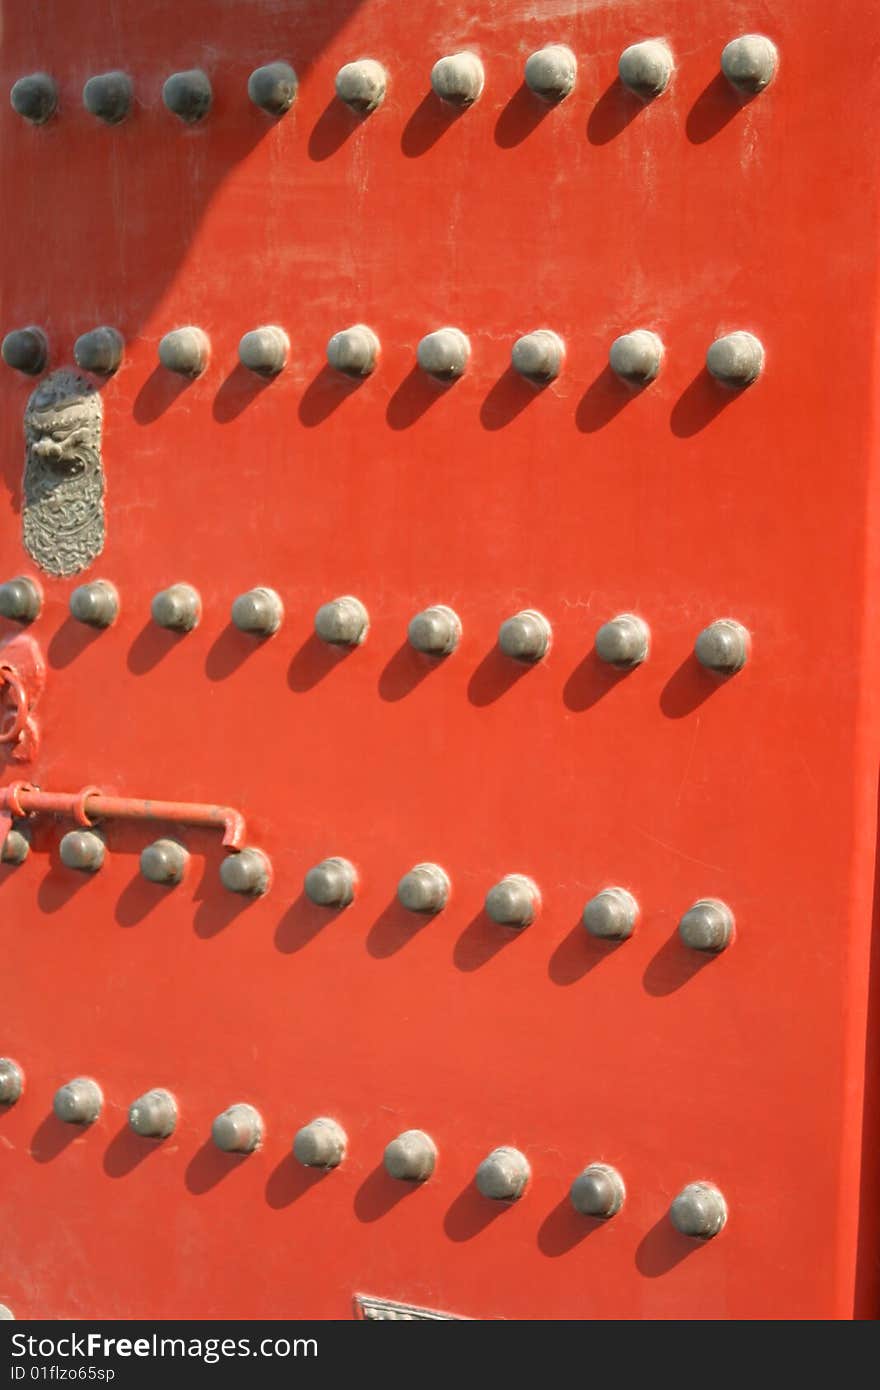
x: 90, y: 805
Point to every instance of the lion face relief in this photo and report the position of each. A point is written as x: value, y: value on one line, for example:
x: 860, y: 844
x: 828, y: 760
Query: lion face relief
x: 63, y: 513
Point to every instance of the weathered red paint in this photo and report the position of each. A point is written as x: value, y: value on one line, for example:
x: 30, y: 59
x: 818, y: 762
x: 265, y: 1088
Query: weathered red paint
x: 693, y: 216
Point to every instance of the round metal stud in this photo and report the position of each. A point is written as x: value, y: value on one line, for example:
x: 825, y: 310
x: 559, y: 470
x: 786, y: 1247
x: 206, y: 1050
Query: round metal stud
x: 238, y: 1130
x: 343, y: 622
x: 79, y: 1102
x: 598, y: 1191
x: 707, y: 926
x: 26, y: 350
x: 320, y: 1144
x: 444, y: 354
x: 164, y: 861
x: 525, y: 636
x: 645, y: 68
x: 503, y: 1175
x: 361, y: 85
x: 82, y: 850
x: 17, y: 845
x: 99, y: 351
x: 248, y: 872
x: 35, y: 97
x: 538, y: 356
x: 436, y: 631
x: 188, y: 95
x: 353, y: 351
x: 736, y: 359
x: 153, y: 1115
x: 424, y: 889
x: 411, y: 1157
x: 259, y: 612
x: 723, y: 646
x: 458, y: 79
x: 514, y: 902
x: 109, y: 96
x: 623, y: 641
x: 178, y: 608
x: 20, y: 599
x: 749, y: 63
x: 11, y: 1081
x: 95, y: 604
x: 331, y: 883
x: 611, y: 915
x: 551, y: 72
x: 699, y: 1210
x: 264, y: 350
x: 273, y: 88
x: 636, y: 357
x: 185, y: 351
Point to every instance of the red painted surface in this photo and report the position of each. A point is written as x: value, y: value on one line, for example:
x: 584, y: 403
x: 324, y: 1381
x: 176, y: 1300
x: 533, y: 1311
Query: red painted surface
x: 693, y: 216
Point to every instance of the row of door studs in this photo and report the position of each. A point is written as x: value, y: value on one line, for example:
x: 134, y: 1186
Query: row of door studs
x: 748, y: 62
x: 622, y: 642
x: 699, y: 1210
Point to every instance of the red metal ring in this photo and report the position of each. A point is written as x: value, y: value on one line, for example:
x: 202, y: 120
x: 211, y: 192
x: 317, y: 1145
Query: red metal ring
x: 79, y: 805
x: 13, y: 790
x: 10, y: 677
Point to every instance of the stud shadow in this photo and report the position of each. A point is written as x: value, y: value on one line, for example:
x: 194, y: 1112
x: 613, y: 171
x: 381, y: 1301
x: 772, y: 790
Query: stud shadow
x: 60, y: 885
x: 332, y: 128
x: 564, y: 1229
x: 379, y: 1193
x: 415, y: 395
x: 325, y: 393
x: 578, y: 953
x: 523, y: 113
x: 158, y: 393
x: 663, y: 1247
x: 70, y: 641
x: 508, y: 397
x: 713, y: 109
x: 481, y: 940
x: 301, y: 923
x: 315, y: 660
x: 218, y: 911
x: 394, y: 928
x: 699, y: 404
x: 127, y: 1151
x: 430, y: 120
x: 7, y: 871
x: 229, y: 651
x: 590, y: 681
x: 52, y: 1137
x: 405, y: 671
x: 209, y: 1166
x: 495, y: 675
x: 613, y: 112
x: 674, y: 965
x: 689, y: 687
x: 604, y: 399
x: 471, y: 1213
x: 139, y: 898
x: 237, y: 392
x: 290, y: 1180
x: 150, y: 646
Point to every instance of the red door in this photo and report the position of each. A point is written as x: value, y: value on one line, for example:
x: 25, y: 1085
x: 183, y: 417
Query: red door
x: 583, y: 212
